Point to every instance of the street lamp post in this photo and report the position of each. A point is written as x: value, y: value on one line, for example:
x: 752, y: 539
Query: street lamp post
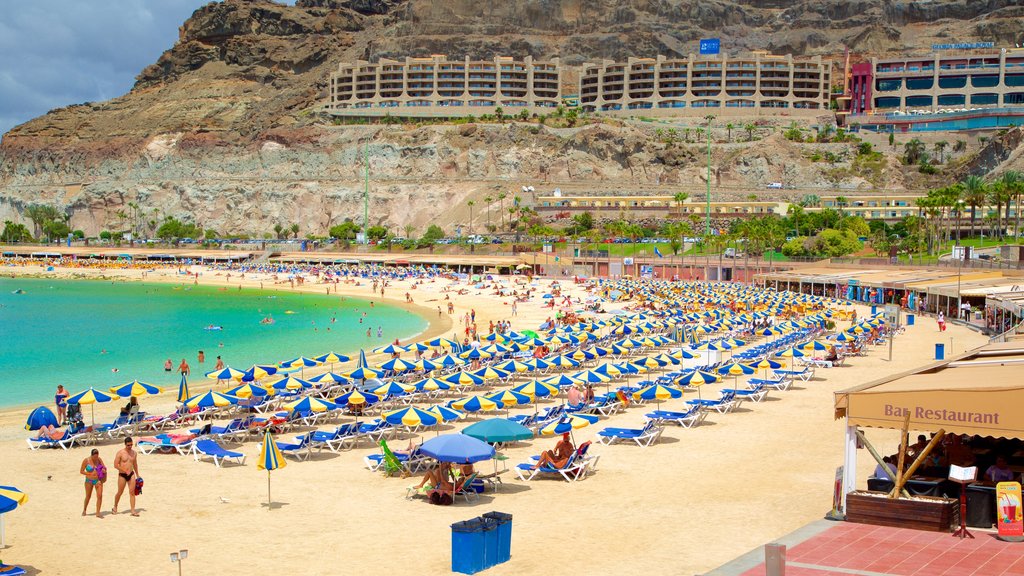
x: 178, y: 558
x: 707, y: 214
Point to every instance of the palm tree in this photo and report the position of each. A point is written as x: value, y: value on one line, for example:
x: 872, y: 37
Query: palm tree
x: 501, y: 207
x: 409, y: 229
x: 913, y: 151
x: 841, y: 202
x: 295, y: 230
x: 728, y: 131
x: 750, y: 127
x: 940, y: 147
x: 278, y: 228
x: 1014, y: 182
x: 998, y: 194
x: 680, y: 197
x: 975, y: 193
x: 686, y: 134
x: 470, y: 204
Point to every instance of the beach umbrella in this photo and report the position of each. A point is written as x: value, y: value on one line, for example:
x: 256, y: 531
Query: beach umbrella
x: 332, y: 358
x: 448, y: 361
x: 397, y: 365
x: 568, y: 424
x: 311, y: 404
x: 608, y: 369
x: 682, y: 354
x: 446, y: 413
x: 226, y: 373
x: 389, y: 349
x: 425, y: 365
x: 411, y: 417
x: 250, y: 390
x: 10, y: 498
x: 211, y: 399
x: 270, y: 459
x: 463, y: 379
x: 92, y: 396
x: 790, y: 353
x: 135, y: 388
x: 498, y: 430
x: 582, y: 355
x: 536, y: 389
x: 301, y: 363
x: 592, y: 377
x: 475, y: 353
x: 697, y: 378
x: 658, y: 393
x: 766, y: 364
x: 457, y: 448
x: 561, y: 380
x: 330, y: 378
x: 365, y: 373
x: 736, y: 369
x: 183, y: 390
x: 357, y: 398
x: 476, y: 404
x: 417, y: 346
x: 431, y: 384
x: 564, y: 361
x: 40, y: 417
x: 509, y: 398
x: 537, y: 364
x: 489, y: 373
x: 393, y: 389
x: 843, y: 337
x: 813, y: 346
x: 496, y: 349
x: 290, y: 383
x: 259, y: 371
x: 439, y: 342
x: 514, y: 366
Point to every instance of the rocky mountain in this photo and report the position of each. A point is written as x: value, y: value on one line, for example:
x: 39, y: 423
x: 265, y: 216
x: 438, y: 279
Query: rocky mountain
x: 225, y: 125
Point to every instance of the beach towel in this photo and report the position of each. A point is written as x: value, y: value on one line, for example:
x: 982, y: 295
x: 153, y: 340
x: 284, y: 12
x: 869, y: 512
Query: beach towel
x: 391, y: 463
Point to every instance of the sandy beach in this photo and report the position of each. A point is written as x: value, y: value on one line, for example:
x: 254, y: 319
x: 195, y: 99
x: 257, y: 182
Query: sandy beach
x: 691, y: 502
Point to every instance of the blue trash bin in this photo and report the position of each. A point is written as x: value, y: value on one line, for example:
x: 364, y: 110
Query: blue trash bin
x: 468, y: 546
x: 940, y: 351
x: 504, y: 534
x: 490, y: 540
x: 910, y: 319
x: 874, y: 309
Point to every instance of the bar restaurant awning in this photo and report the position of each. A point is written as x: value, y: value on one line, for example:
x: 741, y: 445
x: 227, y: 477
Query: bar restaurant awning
x: 979, y: 392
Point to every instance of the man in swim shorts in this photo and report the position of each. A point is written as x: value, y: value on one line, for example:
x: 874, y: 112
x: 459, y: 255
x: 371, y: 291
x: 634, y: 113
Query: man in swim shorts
x: 126, y: 462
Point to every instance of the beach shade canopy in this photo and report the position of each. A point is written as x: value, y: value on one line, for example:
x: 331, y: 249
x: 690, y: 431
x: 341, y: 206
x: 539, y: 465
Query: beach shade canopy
x: 291, y: 383
x: 425, y: 365
x: 393, y: 389
x: 790, y: 353
x: 568, y: 424
x: 389, y: 349
x: 736, y: 369
x: 10, y: 498
x: 608, y: 369
x: 91, y: 396
x: 844, y: 337
x: 448, y: 360
x: 226, y: 373
x: 332, y: 358
x: 329, y: 378
x: 766, y: 364
x: 476, y: 404
x: 365, y: 373
x: 698, y: 378
x: 357, y: 397
x: 657, y: 392
x: 446, y: 413
x: 561, y: 380
x: 682, y: 354
x: 135, y: 388
x: 417, y: 346
x: 536, y: 389
x: 537, y: 363
x: 431, y: 384
x: 412, y: 416
x: 258, y: 371
x: 211, y: 399
x: 250, y: 390
x: 475, y: 353
x: 311, y: 404
x: 498, y: 430
x: 183, y: 394
x: 457, y: 448
x: 463, y: 378
x: 514, y: 366
x: 41, y: 416
x: 592, y: 377
x: 509, y: 398
x: 398, y: 365
x: 300, y: 362
x: 439, y: 342
x: 270, y: 459
x: 813, y: 345
x: 488, y: 373
x: 564, y: 361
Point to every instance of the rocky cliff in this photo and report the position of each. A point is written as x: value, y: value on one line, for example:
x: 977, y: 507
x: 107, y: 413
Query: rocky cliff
x: 224, y: 126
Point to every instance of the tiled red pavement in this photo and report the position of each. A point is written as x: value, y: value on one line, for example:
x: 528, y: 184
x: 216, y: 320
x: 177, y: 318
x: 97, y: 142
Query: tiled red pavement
x: 848, y: 548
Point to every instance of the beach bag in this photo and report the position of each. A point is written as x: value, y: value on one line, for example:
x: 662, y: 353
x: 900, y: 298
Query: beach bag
x: 101, y: 473
x: 138, y: 486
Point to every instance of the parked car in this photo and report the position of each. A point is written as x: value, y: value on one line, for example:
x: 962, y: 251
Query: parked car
x: 775, y: 186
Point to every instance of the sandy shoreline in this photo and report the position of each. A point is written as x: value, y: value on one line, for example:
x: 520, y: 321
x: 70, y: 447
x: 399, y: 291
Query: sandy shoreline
x: 695, y: 500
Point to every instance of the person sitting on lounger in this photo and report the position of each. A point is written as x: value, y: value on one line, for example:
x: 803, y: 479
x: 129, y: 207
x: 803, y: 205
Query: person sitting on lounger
x: 50, y: 433
x: 558, y: 457
x: 436, y: 478
x: 832, y: 356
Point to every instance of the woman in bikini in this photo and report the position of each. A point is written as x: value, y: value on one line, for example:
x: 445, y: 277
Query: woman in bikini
x: 95, y: 473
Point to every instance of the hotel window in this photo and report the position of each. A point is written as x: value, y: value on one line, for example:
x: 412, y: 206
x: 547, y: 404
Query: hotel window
x: 887, y: 102
x: 888, y: 85
x: 952, y: 100
x: 918, y: 101
x: 920, y: 83
x: 984, y: 81
x: 1014, y: 79
x: 952, y: 81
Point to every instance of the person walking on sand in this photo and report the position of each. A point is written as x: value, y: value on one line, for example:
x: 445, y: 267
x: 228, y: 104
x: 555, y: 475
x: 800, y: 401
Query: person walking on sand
x: 942, y: 321
x: 127, y: 464
x: 183, y: 368
x: 95, y: 473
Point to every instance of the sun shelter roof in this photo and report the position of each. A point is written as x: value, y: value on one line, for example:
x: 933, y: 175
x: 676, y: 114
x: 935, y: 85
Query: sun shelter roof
x: 979, y: 392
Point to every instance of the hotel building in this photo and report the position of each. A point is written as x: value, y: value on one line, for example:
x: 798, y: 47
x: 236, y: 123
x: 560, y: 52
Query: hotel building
x: 758, y: 84
x: 437, y: 86
x: 938, y: 82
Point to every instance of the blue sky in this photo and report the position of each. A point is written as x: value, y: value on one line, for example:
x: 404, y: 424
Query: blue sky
x: 59, y: 52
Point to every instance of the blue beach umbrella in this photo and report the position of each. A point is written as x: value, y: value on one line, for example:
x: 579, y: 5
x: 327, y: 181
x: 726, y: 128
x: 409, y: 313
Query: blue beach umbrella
x: 463, y: 378
x: 311, y: 404
x: 389, y: 349
x: 332, y: 358
x: 10, y: 498
x: 258, y: 371
x: 41, y: 416
x: 211, y: 399
x: 291, y: 383
x: 92, y: 397
x: 270, y: 459
x: 357, y: 397
x: 330, y: 378
x: 446, y: 413
x: 365, y: 373
x: 226, y: 373
x: 393, y: 389
x: 457, y: 448
x: 476, y: 404
x: 136, y: 388
x: 398, y: 365
x: 431, y: 384
x: 412, y: 416
x: 250, y: 390
x: 536, y: 389
x: 568, y: 424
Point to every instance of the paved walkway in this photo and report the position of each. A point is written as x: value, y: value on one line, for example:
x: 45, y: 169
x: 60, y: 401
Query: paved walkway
x: 826, y: 548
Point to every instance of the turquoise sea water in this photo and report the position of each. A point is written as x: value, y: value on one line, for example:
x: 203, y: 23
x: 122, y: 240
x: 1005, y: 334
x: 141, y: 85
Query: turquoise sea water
x: 75, y: 332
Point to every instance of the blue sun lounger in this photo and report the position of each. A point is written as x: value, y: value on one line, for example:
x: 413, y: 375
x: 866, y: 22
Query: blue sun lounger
x: 644, y: 437
x: 210, y: 449
x: 692, y: 417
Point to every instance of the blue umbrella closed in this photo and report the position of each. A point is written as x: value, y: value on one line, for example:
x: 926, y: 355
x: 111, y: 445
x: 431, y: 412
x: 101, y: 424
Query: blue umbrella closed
x: 40, y: 417
x: 457, y: 448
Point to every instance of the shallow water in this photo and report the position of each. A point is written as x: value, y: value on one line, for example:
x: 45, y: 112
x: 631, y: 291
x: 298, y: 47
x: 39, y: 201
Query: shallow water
x: 77, y: 332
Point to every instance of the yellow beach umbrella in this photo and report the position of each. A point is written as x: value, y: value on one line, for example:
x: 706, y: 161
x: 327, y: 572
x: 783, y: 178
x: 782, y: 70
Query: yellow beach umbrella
x: 270, y: 459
